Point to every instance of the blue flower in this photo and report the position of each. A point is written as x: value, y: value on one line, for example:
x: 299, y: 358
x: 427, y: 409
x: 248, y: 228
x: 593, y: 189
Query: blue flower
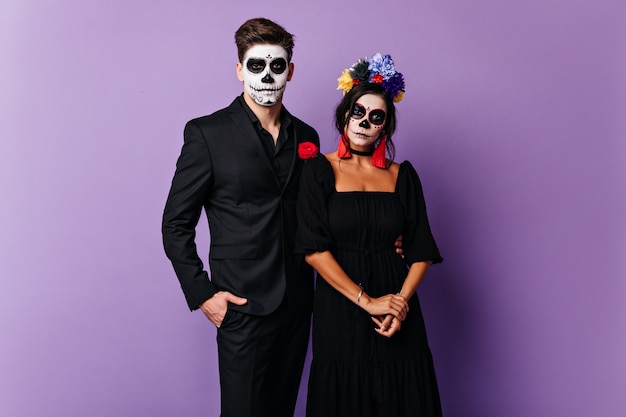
x: 383, y: 65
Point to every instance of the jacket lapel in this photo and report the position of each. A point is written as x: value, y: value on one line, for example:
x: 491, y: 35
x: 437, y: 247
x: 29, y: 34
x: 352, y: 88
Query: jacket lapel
x: 293, y: 137
x: 248, y: 133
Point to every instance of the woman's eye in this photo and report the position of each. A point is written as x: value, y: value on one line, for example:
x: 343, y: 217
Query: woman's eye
x: 377, y: 117
x: 358, y: 111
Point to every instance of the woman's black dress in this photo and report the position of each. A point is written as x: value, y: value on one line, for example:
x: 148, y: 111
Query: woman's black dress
x: 355, y: 371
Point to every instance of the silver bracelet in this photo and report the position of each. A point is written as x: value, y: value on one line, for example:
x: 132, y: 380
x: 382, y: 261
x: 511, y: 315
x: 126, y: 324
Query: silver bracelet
x: 358, y: 297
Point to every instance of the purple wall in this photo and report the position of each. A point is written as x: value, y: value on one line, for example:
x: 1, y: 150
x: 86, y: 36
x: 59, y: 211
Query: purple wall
x: 514, y: 117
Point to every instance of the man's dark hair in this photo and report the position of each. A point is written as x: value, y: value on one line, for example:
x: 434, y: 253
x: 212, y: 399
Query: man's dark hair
x: 262, y: 31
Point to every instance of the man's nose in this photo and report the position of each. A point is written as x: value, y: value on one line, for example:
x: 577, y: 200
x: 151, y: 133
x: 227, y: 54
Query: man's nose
x: 267, y: 79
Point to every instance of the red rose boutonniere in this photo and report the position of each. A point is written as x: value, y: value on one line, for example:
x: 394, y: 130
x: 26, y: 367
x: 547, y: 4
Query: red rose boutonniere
x: 307, y: 150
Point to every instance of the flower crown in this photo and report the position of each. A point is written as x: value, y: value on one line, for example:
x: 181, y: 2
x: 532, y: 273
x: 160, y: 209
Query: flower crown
x: 378, y: 70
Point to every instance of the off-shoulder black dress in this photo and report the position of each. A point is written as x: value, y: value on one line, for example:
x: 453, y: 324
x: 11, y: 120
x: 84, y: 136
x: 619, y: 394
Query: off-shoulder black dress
x: 355, y: 371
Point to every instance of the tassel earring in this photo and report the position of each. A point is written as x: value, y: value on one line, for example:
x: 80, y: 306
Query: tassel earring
x: 343, y: 151
x: 378, y: 157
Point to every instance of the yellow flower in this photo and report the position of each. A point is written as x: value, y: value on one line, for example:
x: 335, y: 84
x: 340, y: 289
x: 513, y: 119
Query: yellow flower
x: 399, y: 97
x: 345, y: 81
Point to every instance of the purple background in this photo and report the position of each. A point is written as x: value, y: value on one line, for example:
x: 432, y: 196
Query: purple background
x: 513, y: 116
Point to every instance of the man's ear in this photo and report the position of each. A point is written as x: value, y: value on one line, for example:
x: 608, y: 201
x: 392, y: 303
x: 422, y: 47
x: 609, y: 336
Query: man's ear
x: 239, y: 71
x: 290, y: 71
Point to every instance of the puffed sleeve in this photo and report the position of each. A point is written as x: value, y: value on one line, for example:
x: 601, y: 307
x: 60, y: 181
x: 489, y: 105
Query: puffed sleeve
x: 316, y: 185
x: 418, y: 241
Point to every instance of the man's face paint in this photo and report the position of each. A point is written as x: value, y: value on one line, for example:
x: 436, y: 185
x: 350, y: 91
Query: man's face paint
x: 265, y: 73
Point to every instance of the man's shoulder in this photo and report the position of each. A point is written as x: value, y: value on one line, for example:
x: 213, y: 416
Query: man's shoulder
x: 301, y: 124
x: 217, y: 118
x: 304, y: 128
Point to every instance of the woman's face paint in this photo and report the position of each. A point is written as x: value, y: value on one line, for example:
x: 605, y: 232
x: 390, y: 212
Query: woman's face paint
x: 367, y: 119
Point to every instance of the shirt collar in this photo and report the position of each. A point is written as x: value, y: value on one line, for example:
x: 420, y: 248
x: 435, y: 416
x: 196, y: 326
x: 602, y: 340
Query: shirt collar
x: 285, y: 118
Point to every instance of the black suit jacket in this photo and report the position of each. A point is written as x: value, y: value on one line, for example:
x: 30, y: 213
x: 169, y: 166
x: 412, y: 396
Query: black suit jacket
x: 252, y: 218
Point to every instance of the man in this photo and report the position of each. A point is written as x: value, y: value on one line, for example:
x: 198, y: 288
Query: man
x: 241, y: 165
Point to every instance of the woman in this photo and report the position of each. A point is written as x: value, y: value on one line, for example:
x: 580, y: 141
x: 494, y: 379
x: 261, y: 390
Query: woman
x: 352, y: 205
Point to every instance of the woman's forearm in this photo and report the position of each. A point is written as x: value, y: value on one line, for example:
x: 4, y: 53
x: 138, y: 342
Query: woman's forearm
x: 327, y: 266
x: 417, y: 271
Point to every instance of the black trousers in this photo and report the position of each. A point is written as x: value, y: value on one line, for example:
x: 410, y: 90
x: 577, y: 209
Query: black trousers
x: 260, y: 361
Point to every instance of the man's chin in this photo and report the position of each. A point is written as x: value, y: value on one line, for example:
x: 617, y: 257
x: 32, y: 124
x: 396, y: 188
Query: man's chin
x: 266, y: 100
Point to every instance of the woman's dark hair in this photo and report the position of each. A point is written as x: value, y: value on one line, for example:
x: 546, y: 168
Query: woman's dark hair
x: 260, y: 31
x: 342, y: 113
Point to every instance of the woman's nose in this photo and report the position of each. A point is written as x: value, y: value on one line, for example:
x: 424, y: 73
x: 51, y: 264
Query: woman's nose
x: 365, y: 124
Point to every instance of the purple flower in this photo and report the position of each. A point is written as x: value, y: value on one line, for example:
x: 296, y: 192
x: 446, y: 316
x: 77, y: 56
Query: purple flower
x: 394, y: 84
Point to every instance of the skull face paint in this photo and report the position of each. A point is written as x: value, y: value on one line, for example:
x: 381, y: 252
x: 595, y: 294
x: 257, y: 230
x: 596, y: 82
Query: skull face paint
x: 367, y: 119
x: 376, y: 116
x: 265, y: 71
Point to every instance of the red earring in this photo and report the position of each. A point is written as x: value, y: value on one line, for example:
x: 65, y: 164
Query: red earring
x: 343, y: 151
x: 378, y: 157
